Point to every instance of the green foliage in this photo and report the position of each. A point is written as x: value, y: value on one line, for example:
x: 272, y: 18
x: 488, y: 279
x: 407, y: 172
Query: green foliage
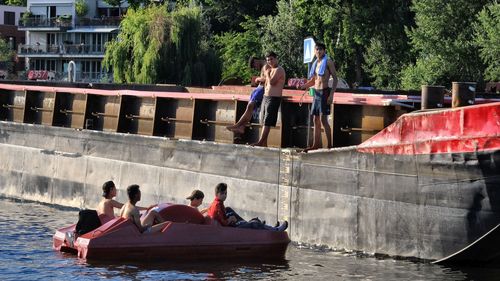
x: 114, y: 3
x: 360, y: 36
x: 6, y: 54
x: 382, y: 65
x: 487, y: 32
x: 443, y: 42
x: 81, y: 8
x: 186, y: 35
x: 283, y: 35
x: 22, y: 3
x: 155, y: 46
x: 388, y: 53
x: 134, y: 4
x: 26, y: 17
x: 236, y: 48
x: 426, y: 71
x: 134, y: 55
x: 227, y: 15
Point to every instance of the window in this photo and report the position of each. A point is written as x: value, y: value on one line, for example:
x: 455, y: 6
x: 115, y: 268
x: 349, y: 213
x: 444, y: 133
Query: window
x: 51, y: 39
x: 51, y: 11
x: 51, y: 65
x: 9, y: 18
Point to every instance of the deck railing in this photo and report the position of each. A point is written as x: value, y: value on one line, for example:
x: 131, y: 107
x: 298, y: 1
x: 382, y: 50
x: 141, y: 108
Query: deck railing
x: 103, y: 21
x: 42, y: 21
x: 61, y: 49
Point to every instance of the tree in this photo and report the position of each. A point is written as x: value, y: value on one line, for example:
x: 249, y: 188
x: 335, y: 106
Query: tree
x: 22, y: 3
x: 118, y: 3
x: 135, y: 55
x: 155, y: 46
x: 283, y: 35
x: 443, y: 43
x: 6, y: 55
x: 81, y: 8
x: 227, y: 15
x: 487, y: 33
x: 236, y: 48
x: 388, y: 50
x: 367, y: 41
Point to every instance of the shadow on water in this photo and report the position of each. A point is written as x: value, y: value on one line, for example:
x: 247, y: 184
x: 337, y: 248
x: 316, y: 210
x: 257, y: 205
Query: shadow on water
x: 200, y: 270
x: 490, y: 272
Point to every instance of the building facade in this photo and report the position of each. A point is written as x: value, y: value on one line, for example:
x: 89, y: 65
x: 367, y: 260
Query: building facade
x: 56, y: 35
x: 9, y: 17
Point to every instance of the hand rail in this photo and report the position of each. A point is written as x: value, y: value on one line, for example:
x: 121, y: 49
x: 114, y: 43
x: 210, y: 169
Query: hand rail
x: 251, y: 125
x: 217, y: 123
x: 224, y: 123
x: 99, y: 114
x: 298, y: 127
x: 349, y: 130
x: 67, y: 111
x: 36, y: 109
x: 132, y: 117
x: 9, y: 106
x: 169, y: 120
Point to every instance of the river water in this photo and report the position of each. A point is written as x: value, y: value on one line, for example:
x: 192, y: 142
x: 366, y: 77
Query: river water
x: 26, y: 254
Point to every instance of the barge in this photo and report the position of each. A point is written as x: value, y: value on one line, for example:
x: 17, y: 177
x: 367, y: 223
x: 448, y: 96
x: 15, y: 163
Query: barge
x: 402, y: 183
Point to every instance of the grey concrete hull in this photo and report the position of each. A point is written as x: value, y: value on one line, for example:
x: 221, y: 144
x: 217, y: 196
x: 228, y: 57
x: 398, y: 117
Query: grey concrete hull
x: 426, y: 206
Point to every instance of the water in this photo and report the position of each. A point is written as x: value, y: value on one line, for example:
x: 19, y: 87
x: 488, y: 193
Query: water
x: 26, y: 254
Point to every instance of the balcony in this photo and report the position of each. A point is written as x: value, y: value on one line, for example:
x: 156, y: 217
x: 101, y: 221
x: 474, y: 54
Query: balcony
x: 99, y: 22
x: 61, y: 50
x: 43, y: 23
x: 89, y: 76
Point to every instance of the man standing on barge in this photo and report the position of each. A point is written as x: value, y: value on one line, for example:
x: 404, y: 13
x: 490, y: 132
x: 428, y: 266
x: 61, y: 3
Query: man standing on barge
x: 321, y: 70
x: 274, y: 76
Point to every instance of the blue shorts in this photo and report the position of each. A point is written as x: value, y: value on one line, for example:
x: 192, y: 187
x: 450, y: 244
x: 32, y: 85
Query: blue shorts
x: 257, y: 96
x: 320, y: 104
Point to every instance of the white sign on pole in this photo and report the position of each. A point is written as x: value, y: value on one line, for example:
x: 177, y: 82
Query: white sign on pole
x: 309, y: 46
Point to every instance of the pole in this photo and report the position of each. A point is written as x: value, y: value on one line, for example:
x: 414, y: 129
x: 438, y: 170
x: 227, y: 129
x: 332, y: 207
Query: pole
x: 308, y: 111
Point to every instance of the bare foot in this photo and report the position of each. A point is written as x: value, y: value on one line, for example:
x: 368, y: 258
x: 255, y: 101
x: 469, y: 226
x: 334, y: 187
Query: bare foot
x: 310, y: 148
x: 259, y: 144
x: 239, y: 130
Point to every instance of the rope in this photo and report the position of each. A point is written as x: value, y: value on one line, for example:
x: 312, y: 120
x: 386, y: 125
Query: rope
x: 302, y: 98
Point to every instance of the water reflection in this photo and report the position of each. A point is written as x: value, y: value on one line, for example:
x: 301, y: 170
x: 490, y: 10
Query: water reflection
x: 209, y: 270
x: 26, y: 254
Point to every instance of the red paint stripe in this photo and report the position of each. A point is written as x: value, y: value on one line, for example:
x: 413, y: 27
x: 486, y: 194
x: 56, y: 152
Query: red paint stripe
x: 176, y: 95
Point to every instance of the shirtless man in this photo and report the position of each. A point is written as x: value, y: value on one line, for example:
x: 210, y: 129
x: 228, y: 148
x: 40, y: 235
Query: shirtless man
x: 274, y: 76
x: 107, y: 204
x: 196, y: 199
x: 131, y: 212
x: 255, y: 98
x: 321, y: 70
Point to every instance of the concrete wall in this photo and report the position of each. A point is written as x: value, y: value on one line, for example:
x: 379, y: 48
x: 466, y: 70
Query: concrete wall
x: 66, y: 166
x: 337, y: 199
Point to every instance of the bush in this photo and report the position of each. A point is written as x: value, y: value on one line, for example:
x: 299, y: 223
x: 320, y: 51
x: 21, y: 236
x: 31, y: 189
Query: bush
x: 81, y: 8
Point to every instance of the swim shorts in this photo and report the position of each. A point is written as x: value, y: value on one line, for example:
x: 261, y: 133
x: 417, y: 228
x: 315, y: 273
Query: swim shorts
x: 270, y: 109
x: 320, y: 104
x: 257, y: 95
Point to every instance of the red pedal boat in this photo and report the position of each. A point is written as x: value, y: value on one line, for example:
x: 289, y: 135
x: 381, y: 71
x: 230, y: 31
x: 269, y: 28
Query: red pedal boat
x: 188, y: 235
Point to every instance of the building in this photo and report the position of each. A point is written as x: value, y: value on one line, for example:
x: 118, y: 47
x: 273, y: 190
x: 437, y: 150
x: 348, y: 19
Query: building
x: 56, y: 35
x: 9, y: 17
